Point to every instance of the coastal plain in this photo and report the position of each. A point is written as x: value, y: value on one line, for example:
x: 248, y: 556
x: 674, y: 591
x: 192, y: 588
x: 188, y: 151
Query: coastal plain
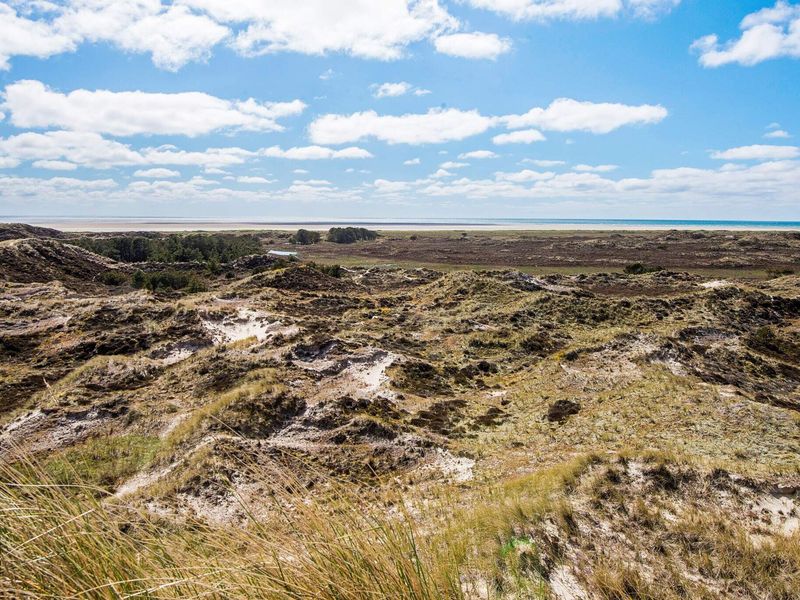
x: 451, y: 414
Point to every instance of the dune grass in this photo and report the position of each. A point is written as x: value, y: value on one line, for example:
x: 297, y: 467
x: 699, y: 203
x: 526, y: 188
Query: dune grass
x: 57, y: 543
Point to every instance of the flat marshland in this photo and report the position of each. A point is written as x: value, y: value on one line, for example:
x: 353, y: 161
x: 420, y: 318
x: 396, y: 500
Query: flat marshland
x: 570, y: 415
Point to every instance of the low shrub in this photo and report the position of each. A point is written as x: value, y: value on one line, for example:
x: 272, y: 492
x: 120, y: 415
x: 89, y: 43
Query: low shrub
x: 350, y: 235
x: 641, y: 269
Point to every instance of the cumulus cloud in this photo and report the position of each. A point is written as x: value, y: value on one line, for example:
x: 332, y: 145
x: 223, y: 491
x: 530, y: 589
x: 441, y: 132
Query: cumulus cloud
x: 412, y: 161
x: 33, y: 104
x: 453, y: 165
x: 566, y: 114
x: 254, y: 180
x: 523, y: 176
x: 766, y: 34
x: 551, y: 9
x: 314, y: 153
x: 446, y: 125
x: 774, y: 184
x: 478, y: 154
x: 777, y: 134
x: 776, y: 180
x: 380, y: 30
x: 20, y: 36
x: 180, y: 31
x: 575, y: 10
x: 8, y: 162
x: 758, y: 152
x: 156, y: 173
x: 523, y: 136
x: 391, y: 90
x: 91, y: 150
x: 474, y: 45
x: 435, y: 126
x: 595, y: 168
x: 55, y: 165
x: 545, y: 164
x: 172, y: 34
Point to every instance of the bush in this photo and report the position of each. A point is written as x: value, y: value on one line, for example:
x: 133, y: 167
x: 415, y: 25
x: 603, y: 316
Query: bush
x: 350, y: 235
x: 304, y: 237
x: 331, y: 270
x: 641, y: 269
x: 167, y: 280
x: 113, y: 278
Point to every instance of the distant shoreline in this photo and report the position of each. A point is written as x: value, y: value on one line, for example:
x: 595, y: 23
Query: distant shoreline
x: 172, y: 224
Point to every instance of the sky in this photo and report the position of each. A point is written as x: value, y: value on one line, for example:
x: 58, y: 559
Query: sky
x: 400, y: 109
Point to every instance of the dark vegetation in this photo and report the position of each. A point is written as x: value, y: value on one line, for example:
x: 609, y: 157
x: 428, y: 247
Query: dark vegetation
x: 167, y: 280
x: 331, y: 270
x: 304, y: 237
x: 640, y: 269
x: 350, y: 235
x: 196, y: 247
x: 155, y: 281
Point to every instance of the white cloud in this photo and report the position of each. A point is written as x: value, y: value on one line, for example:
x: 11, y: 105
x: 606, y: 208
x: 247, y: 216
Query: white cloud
x: 453, y: 165
x: 55, y: 165
x: 379, y: 30
x: 595, y: 168
x: 445, y: 125
x: 314, y: 153
x: 170, y: 33
x: 412, y: 161
x: 566, y: 114
x: 251, y: 179
x: 777, y: 134
x: 551, y: 9
x: 774, y: 182
x: 575, y: 10
x: 766, y: 34
x: 8, y: 162
x: 435, y: 126
x: 478, y: 154
x: 32, y: 104
x: 526, y: 175
x: 20, y: 36
x: 391, y: 90
x: 174, y: 37
x: 545, y: 164
x: 650, y: 9
x: 91, y: 150
x: 523, y: 136
x: 157, y: 173
x: 327, y: 75
x: 177, y: 32
x: 758, y: 152
x: 441, y: 173
x: 300, y: 172
x: 384, y: 186
x: 475, y: 45
x: 417, y: 92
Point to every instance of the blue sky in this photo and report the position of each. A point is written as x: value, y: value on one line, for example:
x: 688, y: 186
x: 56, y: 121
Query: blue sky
x: 400, y: 109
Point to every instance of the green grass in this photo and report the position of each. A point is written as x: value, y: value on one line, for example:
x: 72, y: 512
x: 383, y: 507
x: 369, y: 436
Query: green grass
x: 102, y: 462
